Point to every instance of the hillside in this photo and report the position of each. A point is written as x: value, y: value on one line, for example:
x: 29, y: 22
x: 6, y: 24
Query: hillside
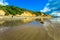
x: 12, y: 10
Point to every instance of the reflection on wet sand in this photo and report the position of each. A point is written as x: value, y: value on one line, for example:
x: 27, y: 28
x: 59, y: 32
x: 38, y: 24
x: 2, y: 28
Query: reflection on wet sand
x: 17, y: 30
x: 17, y: 22
x: 25, y: 33
x: 53, y: 29
x: 11, y: 23
x: 1, y: 22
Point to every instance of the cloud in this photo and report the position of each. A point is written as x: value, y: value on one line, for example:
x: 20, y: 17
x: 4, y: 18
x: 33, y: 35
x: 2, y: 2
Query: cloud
x: 55, y: 13
x: 52, y: 8
x: 3, y: 2
x: 46, y: 8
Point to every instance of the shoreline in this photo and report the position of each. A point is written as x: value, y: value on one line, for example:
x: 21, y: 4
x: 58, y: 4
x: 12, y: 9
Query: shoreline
x: 22, y: 17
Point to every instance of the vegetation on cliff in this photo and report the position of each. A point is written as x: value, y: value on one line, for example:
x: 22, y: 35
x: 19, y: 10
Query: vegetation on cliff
x: 12, y: 10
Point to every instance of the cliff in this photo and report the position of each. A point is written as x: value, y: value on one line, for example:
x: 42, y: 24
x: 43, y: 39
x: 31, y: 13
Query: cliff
x: 16, y: 11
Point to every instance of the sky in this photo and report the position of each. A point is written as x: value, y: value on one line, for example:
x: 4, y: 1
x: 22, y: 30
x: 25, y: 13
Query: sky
x: 51, y: 7
x: 34, y: 5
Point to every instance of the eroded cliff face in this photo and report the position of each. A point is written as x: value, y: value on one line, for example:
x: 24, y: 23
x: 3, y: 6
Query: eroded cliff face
x: 15, y: 12
x: 27, y: 13
x: 2, y: 12
x: 29, y: 16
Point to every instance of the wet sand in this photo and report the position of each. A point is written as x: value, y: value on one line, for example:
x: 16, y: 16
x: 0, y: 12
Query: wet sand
x: 25, y: 33
x: 30, y: 31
